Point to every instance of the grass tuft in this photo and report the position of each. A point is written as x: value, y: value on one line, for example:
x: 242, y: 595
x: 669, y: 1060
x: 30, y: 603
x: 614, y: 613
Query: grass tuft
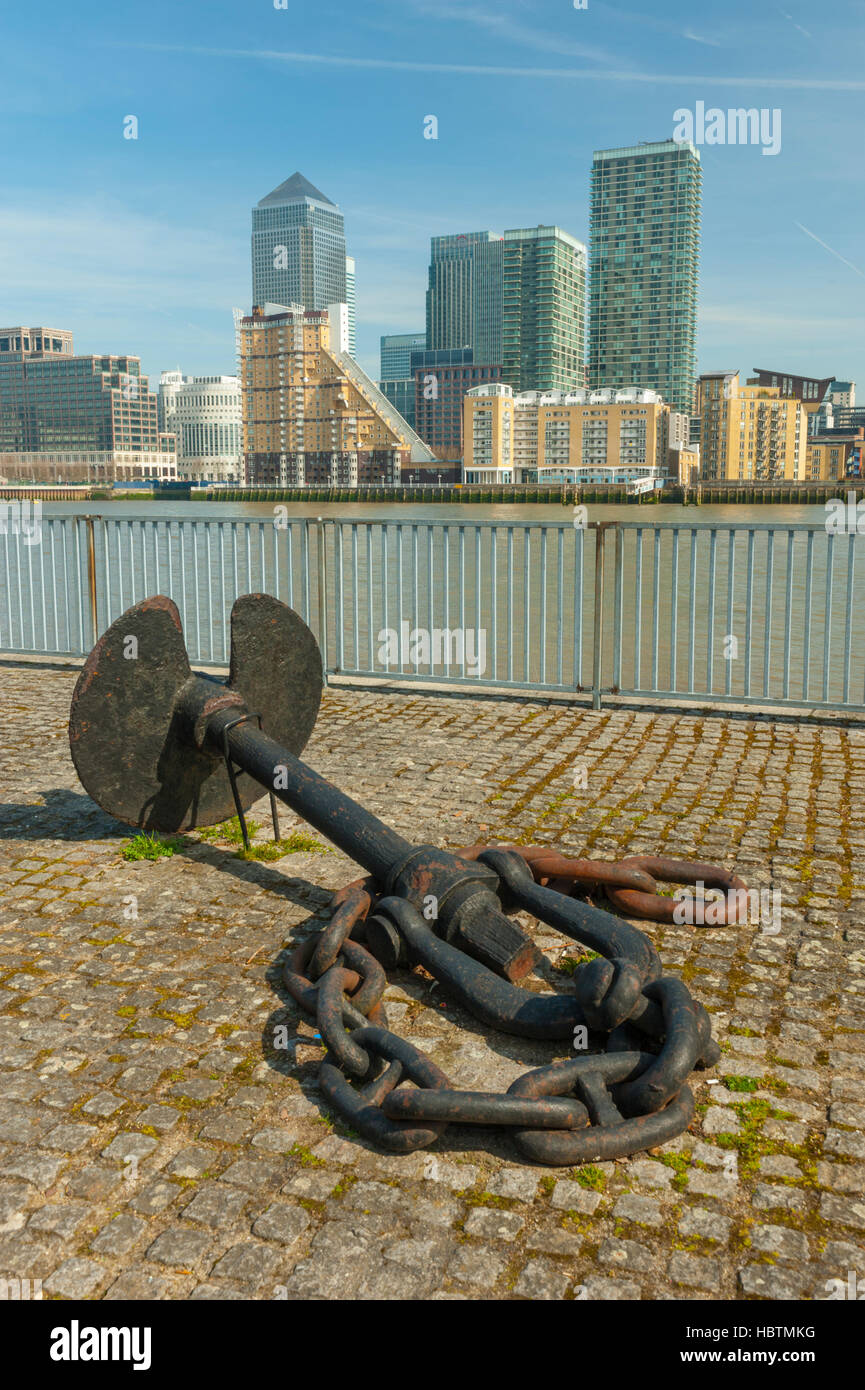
x: 150, y: 847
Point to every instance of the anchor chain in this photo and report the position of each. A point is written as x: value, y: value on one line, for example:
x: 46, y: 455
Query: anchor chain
x: 646, y: 1034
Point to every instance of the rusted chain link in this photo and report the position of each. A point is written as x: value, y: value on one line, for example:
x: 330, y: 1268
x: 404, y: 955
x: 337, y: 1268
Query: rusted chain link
x: 599, y: 1105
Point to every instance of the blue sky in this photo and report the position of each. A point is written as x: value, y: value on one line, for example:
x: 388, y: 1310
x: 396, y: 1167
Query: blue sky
x: 143, y: 246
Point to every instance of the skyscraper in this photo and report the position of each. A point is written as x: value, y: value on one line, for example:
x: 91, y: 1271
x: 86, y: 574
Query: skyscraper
x: 645, y: 234
x: 396, y: 351
x: 464, y: 294
x: 298, y: 248
x: 543, y: 315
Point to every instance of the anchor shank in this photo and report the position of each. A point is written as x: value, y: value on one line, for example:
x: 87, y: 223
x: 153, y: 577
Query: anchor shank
x: 356, y: 831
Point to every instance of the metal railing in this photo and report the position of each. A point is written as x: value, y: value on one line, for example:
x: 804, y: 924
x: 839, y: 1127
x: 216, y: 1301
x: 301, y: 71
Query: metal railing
x: 752, y: 613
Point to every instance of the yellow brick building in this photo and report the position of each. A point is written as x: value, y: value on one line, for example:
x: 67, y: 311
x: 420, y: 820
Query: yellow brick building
x: 749, y: 431
x: 555, y: 436
x: 311, y: 416
x: 835, y: 456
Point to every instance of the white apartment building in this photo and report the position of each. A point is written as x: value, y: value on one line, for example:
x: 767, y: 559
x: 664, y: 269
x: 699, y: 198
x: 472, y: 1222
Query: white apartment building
x: 205, y: 413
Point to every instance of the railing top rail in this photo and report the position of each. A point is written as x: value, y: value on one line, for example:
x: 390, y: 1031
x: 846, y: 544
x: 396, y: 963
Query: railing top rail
x: 781, y: 526
x: 440, y: 523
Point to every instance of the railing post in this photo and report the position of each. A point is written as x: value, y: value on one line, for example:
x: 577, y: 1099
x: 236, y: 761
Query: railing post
x: 322, y: 589
x: 598, y: 628
x: 91, y: 576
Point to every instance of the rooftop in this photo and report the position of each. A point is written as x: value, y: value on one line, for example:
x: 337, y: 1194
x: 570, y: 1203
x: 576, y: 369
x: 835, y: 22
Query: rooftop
x: 294, y: 190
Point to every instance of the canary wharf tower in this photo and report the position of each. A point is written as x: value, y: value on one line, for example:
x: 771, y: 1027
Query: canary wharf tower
x: 298, y: 247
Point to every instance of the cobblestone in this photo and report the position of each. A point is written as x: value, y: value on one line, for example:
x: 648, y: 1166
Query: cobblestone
x: 151, y: 1146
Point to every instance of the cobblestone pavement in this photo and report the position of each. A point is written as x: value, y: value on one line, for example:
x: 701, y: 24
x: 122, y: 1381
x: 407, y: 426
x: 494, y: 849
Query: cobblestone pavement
x: 155, y: 1145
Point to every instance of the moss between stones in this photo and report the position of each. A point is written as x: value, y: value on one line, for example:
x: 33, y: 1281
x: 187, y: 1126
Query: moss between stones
x: 305, y: 1157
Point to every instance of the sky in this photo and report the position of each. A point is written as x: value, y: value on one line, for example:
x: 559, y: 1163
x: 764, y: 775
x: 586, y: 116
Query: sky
x: 142, y: 246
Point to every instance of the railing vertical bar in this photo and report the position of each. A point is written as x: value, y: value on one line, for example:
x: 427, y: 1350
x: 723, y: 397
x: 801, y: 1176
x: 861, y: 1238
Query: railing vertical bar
x: 80, y: 577
x: 462, y: 592
x: 355, y: 592
x: 710, y: 612
x: 31, y: 607
x: 749, y: 597
x: 510, y: 603
x: 430, y: 551
x: 142, y: 531
x: 446, y: 536
x: 209, y: 579
x: 157, y: 584
x: 130, y: 534
x: 305, y: 578
x: 579, y: 591
x: 223, y: 616
x: 656, y: 581
x: 806, y: 623
x: 7, y: 571
x: 788, y: 614
x: 478, y: 611
x: 385, y: 581
x: 848, y: 623
x: 121, y: 588
x: 731, y: 581
x: 42, y: 587
x: 767, y: 626
x: 169, y: 559
x: 598, y: 617
x: 339, y: 595
x: 527, y: 586
x: 674, y: 611
x: 560, y: 605
x: 618, y: 616
x: 56, y: 603
x: 542, y: 583
x: 494, y: 591
x: 827, y: 625
x: 399, y: 592
x: 692, y: 609
x: 638, y: 606
x: 372, y: 651
x: 415, y: 570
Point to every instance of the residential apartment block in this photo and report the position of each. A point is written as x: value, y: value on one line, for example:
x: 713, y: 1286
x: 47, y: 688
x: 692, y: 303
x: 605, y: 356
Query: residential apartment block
x: 543, y: 310
x: 645, y: 236
x: 750, y: 431
x: 75, y: 419
x: 311, y: 416
x: 567, y: 437
x: 837, y: 454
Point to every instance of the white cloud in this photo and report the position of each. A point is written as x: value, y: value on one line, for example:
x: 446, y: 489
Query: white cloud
x: 831, y: 250
x: 501, y: 26
x: 677, y: 79
x: 98, y: 248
